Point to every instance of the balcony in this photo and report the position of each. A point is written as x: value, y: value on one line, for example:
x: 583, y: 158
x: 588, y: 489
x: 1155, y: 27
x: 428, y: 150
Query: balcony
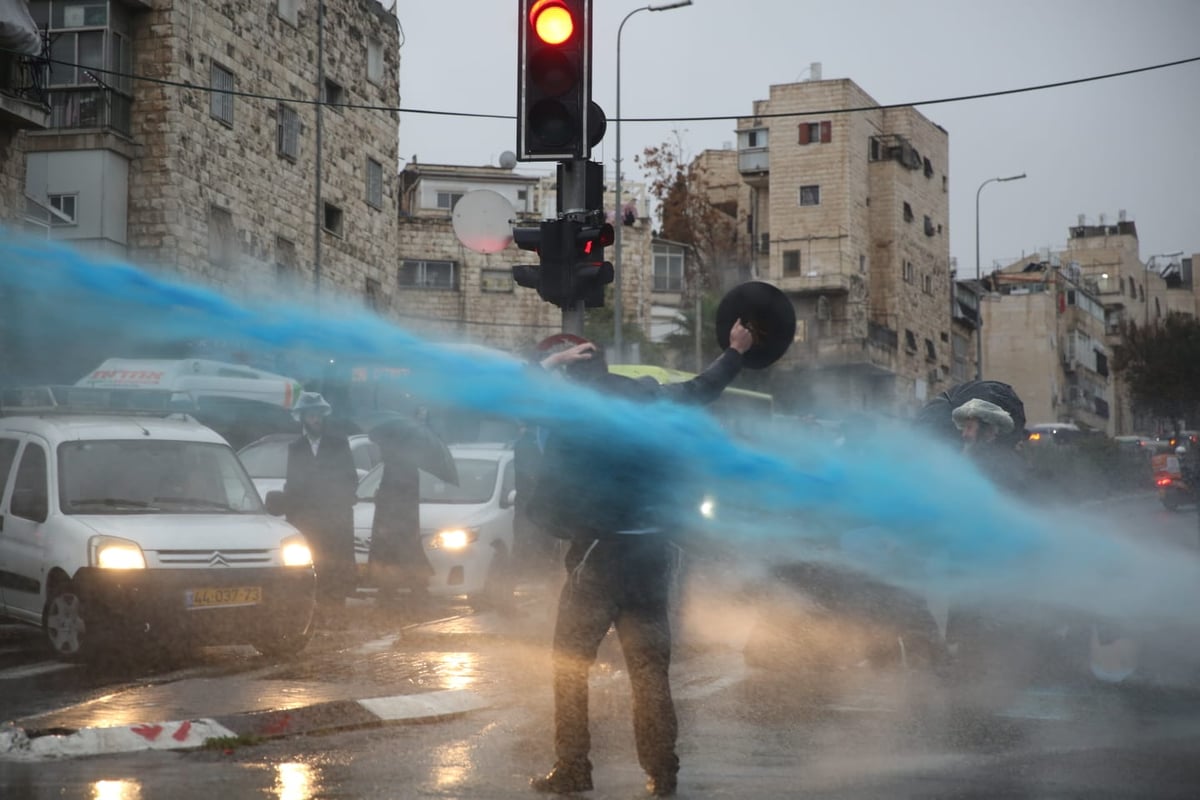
x: 816, y: 283
x: 23, y: 99
x: 92, y: 107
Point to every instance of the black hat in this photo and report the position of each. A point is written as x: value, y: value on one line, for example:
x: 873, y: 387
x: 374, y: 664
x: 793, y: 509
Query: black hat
x: 769, y: 315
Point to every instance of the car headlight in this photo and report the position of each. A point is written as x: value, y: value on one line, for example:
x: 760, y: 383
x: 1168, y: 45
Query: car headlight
x: 708, y: 508
x: 453, y: 538
x: 296, y: 552
x: 109, y: 552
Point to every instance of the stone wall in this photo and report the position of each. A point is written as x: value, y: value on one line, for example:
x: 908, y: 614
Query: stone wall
x: 211, y: 200
x: 12, y: 179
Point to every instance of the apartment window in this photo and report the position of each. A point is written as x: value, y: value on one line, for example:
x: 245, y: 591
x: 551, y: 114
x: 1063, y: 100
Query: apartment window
x: 752, y: 139
x: 791, y: 262
x: 908, y: 272
x: 928, y: 168
x: 87, y: 38
x: 814, y: 132
x: 875, y: 150
x: 764, y: 242
x: 930, y: 350
x: 810, y: 195
x: 668, y: 269
x: 428, y: 275
x: 908, y: 213
x: 927, y: 284
x: 288, y: 134
x: 930, y: 230
x: 221, y: 103
x: 285, y: 259
x: 289, y: 11
x: 334, y: 95
x: 372, y: 294
x: 331, y: 221
x: 910, y: 341
x: 862, y: 263
x: 64, y: 208
x: 222, y: 238
x: 374, y: 61
x: 448, y: 200
x: 374, y: 183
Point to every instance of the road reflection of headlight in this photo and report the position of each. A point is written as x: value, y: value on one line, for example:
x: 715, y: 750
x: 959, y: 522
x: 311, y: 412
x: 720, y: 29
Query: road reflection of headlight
x: 708, y: 508
x: 296, y: 552
x: 453, y: 538
x: 116, y: 790
x: 295, y: 781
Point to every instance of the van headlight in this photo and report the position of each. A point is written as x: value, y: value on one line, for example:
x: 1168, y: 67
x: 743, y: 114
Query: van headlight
x: 109, y: 552
x: 296, y: 552
x: 453, y: 538
x: 708, y: 508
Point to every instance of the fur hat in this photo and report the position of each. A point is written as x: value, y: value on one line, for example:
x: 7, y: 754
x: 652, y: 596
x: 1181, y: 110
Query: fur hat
x: 985, y: 412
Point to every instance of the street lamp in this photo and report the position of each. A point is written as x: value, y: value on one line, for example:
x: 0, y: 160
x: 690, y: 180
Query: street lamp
x: 978, y: 275
x: 618, y: 270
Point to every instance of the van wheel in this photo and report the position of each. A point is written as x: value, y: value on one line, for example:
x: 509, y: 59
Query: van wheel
x: 65, y: 623
x: 498, y: 589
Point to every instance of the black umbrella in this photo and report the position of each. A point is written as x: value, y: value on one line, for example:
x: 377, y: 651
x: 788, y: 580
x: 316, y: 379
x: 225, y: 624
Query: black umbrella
x: 936, y: 414
x: 401, y: 438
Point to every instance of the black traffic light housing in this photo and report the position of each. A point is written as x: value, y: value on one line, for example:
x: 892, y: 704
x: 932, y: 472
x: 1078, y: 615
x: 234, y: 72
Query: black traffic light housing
x: 555, y: 116
x: 571, y: 268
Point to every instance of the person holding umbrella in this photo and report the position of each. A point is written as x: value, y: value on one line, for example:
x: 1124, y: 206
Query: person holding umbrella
x: 319, y: 498
x: 397, y: 557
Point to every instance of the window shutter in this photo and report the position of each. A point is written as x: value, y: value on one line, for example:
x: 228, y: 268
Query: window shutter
x: 826, y: 132
x: 803, y: 133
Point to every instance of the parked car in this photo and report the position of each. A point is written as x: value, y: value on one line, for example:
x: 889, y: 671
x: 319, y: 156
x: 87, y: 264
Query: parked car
x: 266, y: 459
x: 139, y: 527
x: 1054, y: 433
x: 467, y: 530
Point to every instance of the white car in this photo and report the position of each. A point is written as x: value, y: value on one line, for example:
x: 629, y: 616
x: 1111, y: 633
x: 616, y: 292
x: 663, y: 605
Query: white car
x: 266, y: 459
x: 467, y: 530
x: 120, y: 528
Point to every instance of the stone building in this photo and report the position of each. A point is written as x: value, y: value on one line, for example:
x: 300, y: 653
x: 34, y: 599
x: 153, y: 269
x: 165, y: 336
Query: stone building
x: 1045, y: 334
x: 247, y: 191
x: 23, y: 106
x: 848, y: 214
x: 1103, y: 260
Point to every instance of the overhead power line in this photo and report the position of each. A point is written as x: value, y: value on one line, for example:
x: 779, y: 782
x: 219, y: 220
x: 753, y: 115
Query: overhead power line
x: 699, y: 118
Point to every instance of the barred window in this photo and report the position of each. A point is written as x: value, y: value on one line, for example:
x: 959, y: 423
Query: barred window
x: 288, y: 138
x: 374, y: 183
x: 221, y: 103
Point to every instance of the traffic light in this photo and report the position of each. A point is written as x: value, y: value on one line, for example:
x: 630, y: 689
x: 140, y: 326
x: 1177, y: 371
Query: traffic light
x: 571, y: 268
x: 555, y: 117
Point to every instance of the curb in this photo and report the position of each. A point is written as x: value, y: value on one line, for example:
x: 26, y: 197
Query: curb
x: 190, y: 734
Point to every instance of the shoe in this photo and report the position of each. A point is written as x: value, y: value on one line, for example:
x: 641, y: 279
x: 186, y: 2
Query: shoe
x: 565, y: 778
x: 662, y: 785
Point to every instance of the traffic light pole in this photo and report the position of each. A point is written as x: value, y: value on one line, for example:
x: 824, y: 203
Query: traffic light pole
x: 573, y: 193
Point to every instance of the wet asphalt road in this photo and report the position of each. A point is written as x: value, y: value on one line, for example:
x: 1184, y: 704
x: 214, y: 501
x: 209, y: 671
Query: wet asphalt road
x: 882, y: 733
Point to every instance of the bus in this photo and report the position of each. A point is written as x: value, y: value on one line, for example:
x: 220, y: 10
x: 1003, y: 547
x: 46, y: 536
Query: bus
x: 739, y: 410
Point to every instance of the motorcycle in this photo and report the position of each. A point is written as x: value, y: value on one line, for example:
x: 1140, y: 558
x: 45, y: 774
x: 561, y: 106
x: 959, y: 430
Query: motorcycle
x: 1174, y: 489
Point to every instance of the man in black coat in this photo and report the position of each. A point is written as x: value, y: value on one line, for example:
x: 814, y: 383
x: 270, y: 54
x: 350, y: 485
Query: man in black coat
x: 319, y: 493
x: 620, y: 562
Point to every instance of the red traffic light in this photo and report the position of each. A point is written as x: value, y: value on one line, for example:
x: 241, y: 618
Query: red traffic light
x: 551, y: 21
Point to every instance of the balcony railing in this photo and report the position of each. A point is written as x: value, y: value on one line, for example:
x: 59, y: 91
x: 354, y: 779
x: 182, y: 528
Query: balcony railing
x: 92, y: 107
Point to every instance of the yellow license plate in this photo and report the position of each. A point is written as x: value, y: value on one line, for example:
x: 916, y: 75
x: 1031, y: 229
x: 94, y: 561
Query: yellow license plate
x: 224, y: 597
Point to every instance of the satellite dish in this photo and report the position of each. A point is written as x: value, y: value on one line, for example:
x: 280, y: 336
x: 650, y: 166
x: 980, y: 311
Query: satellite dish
x: 483, y: 221
x: 508, y: 159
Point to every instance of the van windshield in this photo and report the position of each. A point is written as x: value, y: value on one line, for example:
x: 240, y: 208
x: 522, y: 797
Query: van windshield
x: 153, y: 477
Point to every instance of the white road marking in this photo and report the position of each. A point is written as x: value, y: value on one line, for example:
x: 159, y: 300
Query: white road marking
x: 31, y: 670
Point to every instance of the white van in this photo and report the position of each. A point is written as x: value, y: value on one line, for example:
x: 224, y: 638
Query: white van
x: 121, y: 528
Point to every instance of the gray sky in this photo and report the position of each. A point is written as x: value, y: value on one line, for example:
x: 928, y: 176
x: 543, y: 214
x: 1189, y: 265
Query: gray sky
x: 1125, y: 143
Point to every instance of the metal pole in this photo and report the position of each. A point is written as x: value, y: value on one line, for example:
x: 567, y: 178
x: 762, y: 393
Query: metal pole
x: 979, y: 275
x: 573, y: 191
x: 319, y: 212
x: 618, y: 266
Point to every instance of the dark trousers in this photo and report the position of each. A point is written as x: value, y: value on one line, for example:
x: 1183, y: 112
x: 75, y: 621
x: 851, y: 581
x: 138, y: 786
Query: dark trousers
x: 625, y: 583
